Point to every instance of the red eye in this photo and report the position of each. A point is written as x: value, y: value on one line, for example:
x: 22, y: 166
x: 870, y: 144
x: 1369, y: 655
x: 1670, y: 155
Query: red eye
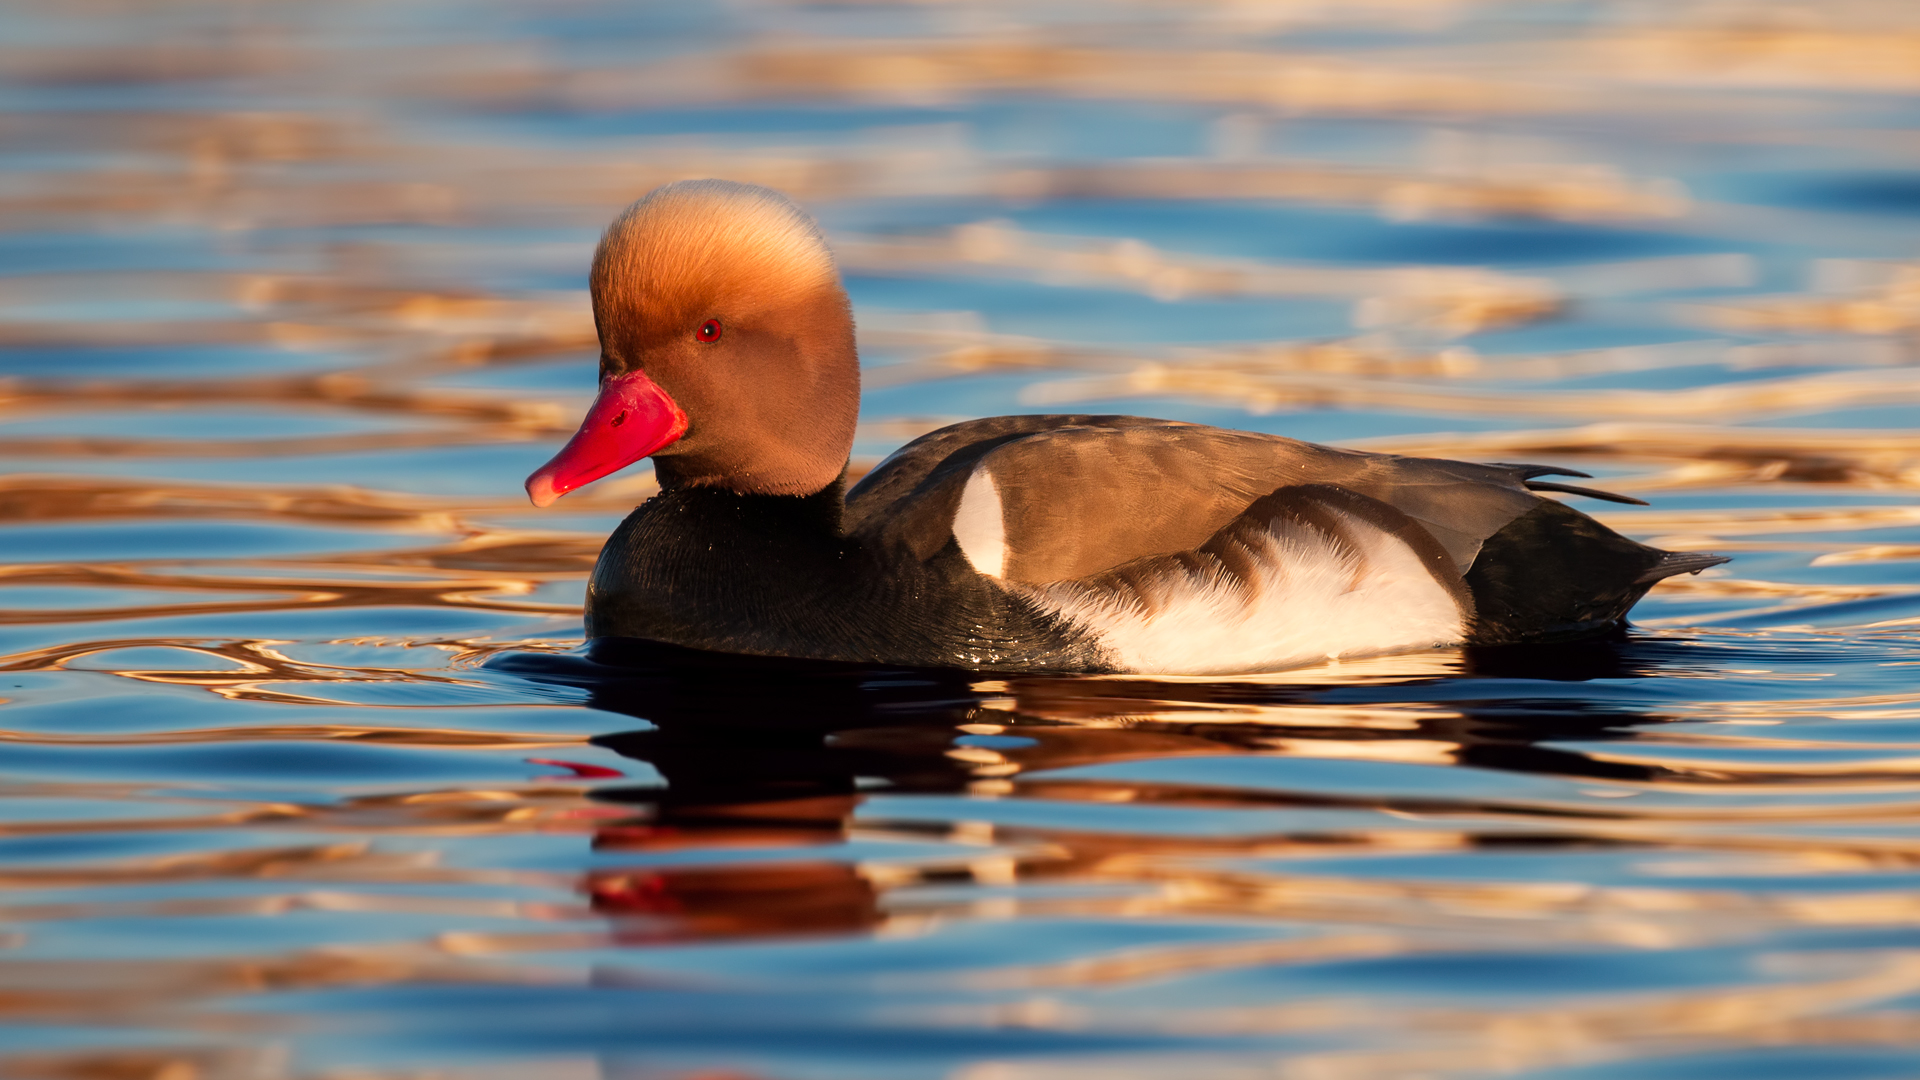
x: 709, y: 331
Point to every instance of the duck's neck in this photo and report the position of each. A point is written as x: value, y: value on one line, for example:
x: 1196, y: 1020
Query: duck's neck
x: 818, y: 514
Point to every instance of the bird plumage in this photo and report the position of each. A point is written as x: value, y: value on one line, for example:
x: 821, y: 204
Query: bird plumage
x: 1055, y: 543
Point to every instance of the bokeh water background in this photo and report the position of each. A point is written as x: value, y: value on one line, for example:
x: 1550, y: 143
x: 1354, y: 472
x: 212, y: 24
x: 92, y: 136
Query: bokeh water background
x: 305, y: 775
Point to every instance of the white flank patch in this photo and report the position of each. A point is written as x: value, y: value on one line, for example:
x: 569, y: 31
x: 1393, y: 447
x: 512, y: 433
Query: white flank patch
x: 980, y: 525
x: 1309, y: 601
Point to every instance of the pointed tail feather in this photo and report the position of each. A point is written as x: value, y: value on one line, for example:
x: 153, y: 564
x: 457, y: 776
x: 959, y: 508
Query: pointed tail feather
x: 1591, y: 493
x: 1528, y: 472
x: 1526, y: 475
x: 1679, y: 562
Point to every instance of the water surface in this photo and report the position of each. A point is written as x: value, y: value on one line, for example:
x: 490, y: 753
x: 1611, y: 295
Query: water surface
x: 308, y: 774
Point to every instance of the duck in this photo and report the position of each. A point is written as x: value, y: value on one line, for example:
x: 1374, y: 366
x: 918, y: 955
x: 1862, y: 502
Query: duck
x: 1031, y: 543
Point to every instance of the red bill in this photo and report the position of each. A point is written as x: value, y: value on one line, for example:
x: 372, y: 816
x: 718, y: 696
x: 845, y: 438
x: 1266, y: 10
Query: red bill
x: 630, y: 419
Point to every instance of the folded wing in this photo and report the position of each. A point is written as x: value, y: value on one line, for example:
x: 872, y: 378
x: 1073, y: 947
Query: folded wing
x: 1075, y: 496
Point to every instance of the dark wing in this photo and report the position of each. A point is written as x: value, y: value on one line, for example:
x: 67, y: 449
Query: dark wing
x: 1081, y: 495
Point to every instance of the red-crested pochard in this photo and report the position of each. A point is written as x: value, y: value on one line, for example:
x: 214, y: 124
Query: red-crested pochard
x: 1015, y: 543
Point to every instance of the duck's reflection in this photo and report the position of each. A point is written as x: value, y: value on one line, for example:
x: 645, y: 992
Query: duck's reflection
x: 765, y: 761
x: 753, y: 758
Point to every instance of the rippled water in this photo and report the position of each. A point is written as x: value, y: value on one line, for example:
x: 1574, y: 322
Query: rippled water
x: 307, y: 774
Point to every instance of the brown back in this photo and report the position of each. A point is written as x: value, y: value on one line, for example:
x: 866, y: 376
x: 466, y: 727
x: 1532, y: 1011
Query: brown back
x: 1084, y: 494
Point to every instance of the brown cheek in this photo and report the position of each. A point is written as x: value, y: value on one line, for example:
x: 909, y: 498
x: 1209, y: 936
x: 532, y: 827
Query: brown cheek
x: 758, y: 371
x: 685, y: 371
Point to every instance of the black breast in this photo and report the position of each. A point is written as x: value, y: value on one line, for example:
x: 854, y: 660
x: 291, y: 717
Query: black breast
x: 776, y: 575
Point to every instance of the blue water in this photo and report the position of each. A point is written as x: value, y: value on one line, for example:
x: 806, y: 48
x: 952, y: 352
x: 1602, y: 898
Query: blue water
x: 306, y: 772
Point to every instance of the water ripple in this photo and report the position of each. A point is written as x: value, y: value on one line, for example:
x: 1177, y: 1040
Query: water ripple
x: 305, y: 771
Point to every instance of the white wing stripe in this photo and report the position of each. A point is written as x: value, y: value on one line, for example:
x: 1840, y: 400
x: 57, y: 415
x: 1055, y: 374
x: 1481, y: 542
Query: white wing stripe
x: 980, y: 524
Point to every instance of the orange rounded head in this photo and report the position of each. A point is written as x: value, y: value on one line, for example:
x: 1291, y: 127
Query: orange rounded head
x: 726, y: 348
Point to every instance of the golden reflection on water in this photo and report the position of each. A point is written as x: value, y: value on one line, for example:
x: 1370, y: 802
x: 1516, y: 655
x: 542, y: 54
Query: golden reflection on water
x: 304, y: 775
